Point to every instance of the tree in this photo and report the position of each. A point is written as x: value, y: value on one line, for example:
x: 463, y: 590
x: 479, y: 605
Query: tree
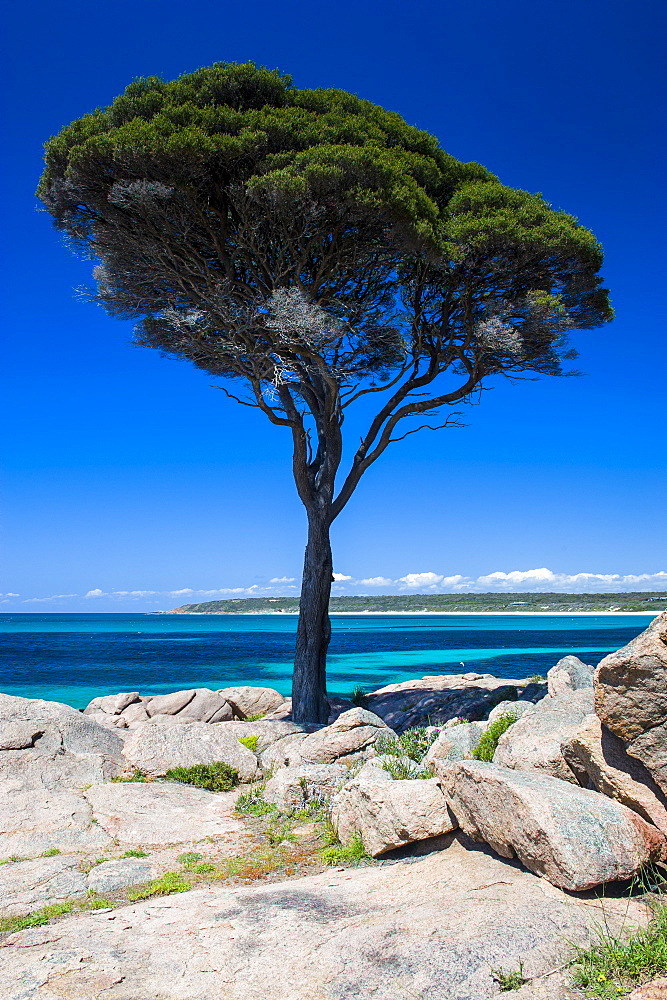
x: 317, y: 249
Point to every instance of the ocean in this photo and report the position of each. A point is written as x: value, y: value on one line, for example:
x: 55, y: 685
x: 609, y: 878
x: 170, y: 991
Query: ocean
x: 75, y: 657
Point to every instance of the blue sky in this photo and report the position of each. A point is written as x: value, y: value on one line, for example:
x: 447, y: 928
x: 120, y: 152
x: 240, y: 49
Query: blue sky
x: 131, y: 479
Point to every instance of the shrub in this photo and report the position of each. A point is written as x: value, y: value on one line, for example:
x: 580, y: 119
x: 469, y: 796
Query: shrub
x: 218, y: 777
x: 358, y: 696
x: 413, y: 743
x: 354, y: 853
x: 163, y: 886
x: 253, y: 803
x: 250, y: 742
x: 401, y: 770
x: 486, y: 747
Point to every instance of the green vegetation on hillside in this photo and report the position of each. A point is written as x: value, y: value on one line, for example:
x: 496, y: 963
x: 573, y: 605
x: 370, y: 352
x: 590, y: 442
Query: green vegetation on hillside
x: 520, y: 603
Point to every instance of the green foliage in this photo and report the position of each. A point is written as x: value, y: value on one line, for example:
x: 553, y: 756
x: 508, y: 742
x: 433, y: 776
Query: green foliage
x: 254, y: 718
x: 218, y: 777
x: 163, y: 886
x: 134, y: 853
x: 613, y: 966
x: 249, y: 741
x: 353, y: 853
x: 189, y: 858
x: 536, y: 679
x: 36, y: 919
x: 135, y: 776
x: 507, y: 980
x: 486, y: 747
x: 204, y: 869
x: 253, y: 803
x: 413, y: 743
x: 101, y: 904
x: 50, y: 852
x: 358, y: 696
x: 401, y: 769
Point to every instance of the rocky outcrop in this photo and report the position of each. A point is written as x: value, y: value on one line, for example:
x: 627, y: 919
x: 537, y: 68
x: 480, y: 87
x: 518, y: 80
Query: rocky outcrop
x: 533, y: 743
x: 655, y: 990
x: 455, y: 743
x: 29, y: 885
x: 165, y: 813
x: 432, y: 928
x: 50, y: 727
x: 631, y: 697
x: 128, y: 710
x: 434, y: 700
x: 389, y: 814
x: 351, y: 737
x: 571, y: 836
x: 247, y: 700
x: 156, y: 748
x: 569, y: 674
x: 296, y: 787
x: 614, y: 773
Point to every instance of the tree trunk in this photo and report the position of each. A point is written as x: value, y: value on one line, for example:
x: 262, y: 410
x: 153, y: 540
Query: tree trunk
x: 309, y: 685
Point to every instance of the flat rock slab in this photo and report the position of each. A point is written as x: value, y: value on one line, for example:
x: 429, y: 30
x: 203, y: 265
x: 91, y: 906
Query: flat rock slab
x: 431, y: 928
x: 29, y: 885
x: 155, y: 748
x: 111, y: 875
x: 162, y: 813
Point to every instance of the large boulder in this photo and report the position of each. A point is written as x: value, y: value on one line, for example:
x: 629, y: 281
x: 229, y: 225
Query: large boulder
x: 434, y: 700
x: 455, y: 743
x: 283, y: 752
x: 533, y: 742
x: 631, y: 697
x: 293, y: 788
x: 569, y: 674
x: 196, y: 704
x: 351, y: 737
x: 389, y: 814
x: 573, y: 837
x: 156, y: 748
x: 54, y: 727
x: 246, y: 700
x: 166, y: 813
x: 28, y: 885
x: 614, y: 773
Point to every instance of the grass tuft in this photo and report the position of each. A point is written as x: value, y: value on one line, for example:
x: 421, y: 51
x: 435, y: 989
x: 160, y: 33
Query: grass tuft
x: 135, y: 776
x: 218, y: 777
x: 250, y: 742
x: 254, y: 718
x: 132, y: 853
x: 486, y: 747
x: 613, y: 966
x: 335, y: 853
x: 508, y: 980
x: 253, y: 803
x: 413, y: 743
x: 36, y: 919
x: 50, y: 852
x: 359, y: 696
x: 163, y: 886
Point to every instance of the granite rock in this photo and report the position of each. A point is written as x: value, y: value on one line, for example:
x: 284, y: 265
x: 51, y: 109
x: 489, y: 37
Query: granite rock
x: 455, y: 743
x: 295, y: 787
x: 30, y: 885
x: 118, y: 873
x: 155, y: 748
x: 246, y: 700
x: 573, y: 837
x: 569, y: 674
x: 351, y: 737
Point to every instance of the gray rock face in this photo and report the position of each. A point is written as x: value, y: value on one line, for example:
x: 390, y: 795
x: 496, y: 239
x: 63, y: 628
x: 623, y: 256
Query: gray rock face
x: 573, y: 837
x: 352, y: 737
x: 569, y: 674
x: 434, y: 700
x: 294, y: 787
x: 455, y: 743
x: 18, y: 735
x: 247, y: 700
x: 533, y: 743
x: 389, y: 814
x: 614, y: 773
x: 433, y: 929
x: 166, y: 813
x: 267, y: 733
x: 515, y: 708
x: 117, y: 874
x: 29, y: 885
x: 55, y: 726
x: 283, y: 752
x: 631, y: 697
x: 155, y: 749
x: 41, y: 801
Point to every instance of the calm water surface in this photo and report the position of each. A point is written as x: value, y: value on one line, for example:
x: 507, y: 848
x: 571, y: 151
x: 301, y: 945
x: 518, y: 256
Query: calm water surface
x: 74, y: 658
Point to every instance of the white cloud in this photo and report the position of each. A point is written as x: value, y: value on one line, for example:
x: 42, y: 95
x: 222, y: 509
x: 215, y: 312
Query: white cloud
x: 377, y: 581
x: 41, y: 600
x: 283, y: 579
x: 9, y: 594
x: 95, y: 593
x: 339, y: 577
x: 517, y: 576
x: 544, y: 579
x: 420, y: 579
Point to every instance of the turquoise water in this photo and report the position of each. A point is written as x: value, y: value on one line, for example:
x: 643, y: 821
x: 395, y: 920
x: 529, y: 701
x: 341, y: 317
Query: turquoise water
x: 74, y: 658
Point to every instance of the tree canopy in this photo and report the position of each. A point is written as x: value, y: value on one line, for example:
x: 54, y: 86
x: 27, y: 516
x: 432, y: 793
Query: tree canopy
x: 318, y: 248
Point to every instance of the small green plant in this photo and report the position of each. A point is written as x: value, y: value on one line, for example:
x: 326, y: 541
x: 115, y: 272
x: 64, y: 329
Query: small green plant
x: 402, y: 769
x: 536, y: 679
x: 218, y: 777
x: 413, y: 743
x: 101, y: 904
x: 358, y: 696
x: 135, y: 776
x: 508, y: 980
x: 163, y: 886
x: 254, y: 718
x: 50, y: 852
x: 204, y: 869
x: 132, y: 853
x: 253, y: 803
x: 277, y: 832
x: 36, y: 919
x: 189, y: 858
x: 99, y: 861
x: 250, y: 742
x: 353, y: 853
x: 486, y: 747
x: 15, y: 858
x: 611, y: 965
